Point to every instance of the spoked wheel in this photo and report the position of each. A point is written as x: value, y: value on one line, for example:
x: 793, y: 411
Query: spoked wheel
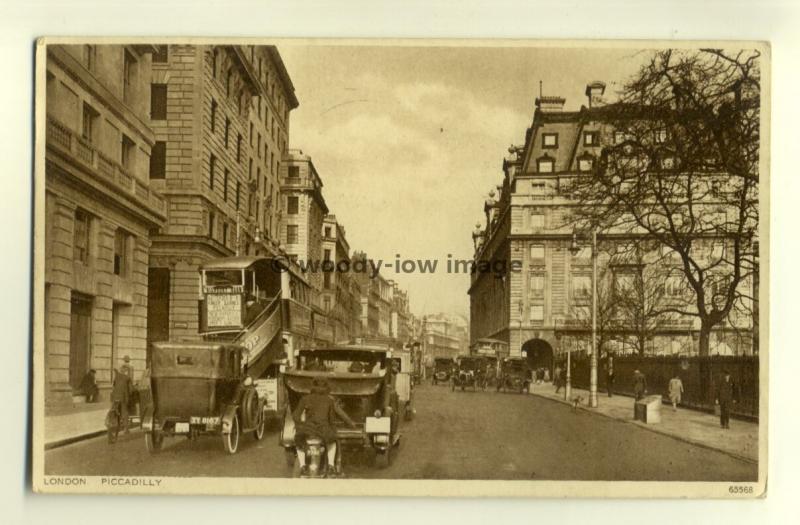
x: 153, y: 441
x: 261, y: 428
x: 231, y: 440
x: 113, y: 422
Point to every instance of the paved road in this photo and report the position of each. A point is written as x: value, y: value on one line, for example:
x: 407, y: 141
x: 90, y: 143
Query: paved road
x: 456, y: 435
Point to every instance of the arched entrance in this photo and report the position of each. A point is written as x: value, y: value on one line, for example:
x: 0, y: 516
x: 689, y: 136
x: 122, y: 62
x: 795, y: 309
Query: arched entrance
x: 539, y: 353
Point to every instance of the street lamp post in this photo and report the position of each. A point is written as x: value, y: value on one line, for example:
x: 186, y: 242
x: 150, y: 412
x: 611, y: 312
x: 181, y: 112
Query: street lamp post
x: 593, y: 357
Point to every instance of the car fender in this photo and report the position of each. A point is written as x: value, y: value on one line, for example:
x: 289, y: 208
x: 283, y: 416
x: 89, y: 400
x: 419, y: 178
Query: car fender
x: 227, y: 418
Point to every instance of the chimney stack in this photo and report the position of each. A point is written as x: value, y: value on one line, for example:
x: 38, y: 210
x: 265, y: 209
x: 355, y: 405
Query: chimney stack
x: 550, y: 104
x: 594, y: 92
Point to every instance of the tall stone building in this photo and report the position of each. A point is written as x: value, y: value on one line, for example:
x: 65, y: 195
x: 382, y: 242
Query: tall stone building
x: 305, y: 211
x: 544, y: 308
x: 220, y: 115
x: 99, y: 211
x: 444, y: 336
x: 401, y: 319
x: 340, y: 292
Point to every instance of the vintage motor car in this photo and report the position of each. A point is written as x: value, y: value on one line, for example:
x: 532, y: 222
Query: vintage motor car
x: 471, y: 372
x: 515, y: 375
x: 442, y: 370
x: 201, y: 388
x: 360, y: 380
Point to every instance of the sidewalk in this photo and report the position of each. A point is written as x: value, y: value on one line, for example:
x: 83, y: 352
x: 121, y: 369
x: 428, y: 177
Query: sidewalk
x: 698, y: 428
x: 62, y: 429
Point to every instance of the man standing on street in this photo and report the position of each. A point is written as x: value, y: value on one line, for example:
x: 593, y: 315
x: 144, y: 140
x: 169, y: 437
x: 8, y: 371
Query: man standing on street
x: 610, y: 375
x: 725, y: 396
x: 639, y: 384
x: 121, y: 393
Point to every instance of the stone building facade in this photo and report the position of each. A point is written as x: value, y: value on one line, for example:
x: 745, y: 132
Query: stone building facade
x: 543, y: 308
x: 340, y: 290
x: 443, y: 336
x: 305, y: 211
x: 220, y: 115
x: 100, y: 210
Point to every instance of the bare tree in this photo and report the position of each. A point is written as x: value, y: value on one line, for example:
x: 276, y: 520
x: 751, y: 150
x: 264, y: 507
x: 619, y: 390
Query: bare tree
x: 682, y: 170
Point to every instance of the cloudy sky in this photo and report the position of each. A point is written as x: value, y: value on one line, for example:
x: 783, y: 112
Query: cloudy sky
x: 409, y: 140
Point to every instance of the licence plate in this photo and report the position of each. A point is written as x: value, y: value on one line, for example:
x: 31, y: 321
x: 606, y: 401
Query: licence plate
x: 205, y: 420
x: 181, y: 428
x: 378, y: 425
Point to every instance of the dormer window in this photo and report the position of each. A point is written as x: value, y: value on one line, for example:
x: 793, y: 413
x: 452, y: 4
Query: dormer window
x: 550, y: 140
x: 591, y: 138
x: 619, y: 137
x: 660, y: 136
x: 545, y: 165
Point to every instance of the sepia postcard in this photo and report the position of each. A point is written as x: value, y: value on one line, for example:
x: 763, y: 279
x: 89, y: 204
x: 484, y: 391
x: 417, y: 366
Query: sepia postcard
x: 506, y: 268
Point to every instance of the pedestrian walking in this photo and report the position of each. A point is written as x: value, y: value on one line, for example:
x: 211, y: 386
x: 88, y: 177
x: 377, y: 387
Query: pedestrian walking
x: 546, y: 375
x: 726, y: 395
x: 675, y: 391
x: 610, y: 376
x: 639, y: 384
x: 558, y: 378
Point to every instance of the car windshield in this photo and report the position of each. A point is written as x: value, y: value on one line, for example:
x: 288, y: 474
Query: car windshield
x: 339, y: 361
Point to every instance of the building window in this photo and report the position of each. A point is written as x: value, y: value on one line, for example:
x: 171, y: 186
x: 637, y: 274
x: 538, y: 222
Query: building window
x: 128, y: 75
x: 294, y: 172
x: 228, y: 82
x: 624, y: 283
x: 292, y: 234
x: 585, y: 164
x: 81, y: 236
x: 258, y: 146
x: 581, y: 286
x: 544, y: 165
x: 213, y: 115
x: 549, y: 140
x: 538, y: 187
x: 214, y: 62
x: 88, y: 125
x: 537, y: 252
x: 673, y: 286
x: 326, y: 279
x: 292, y: 205
x: 158, y: 101
x: 239, y: 147
x: 536, y: 284
x: 161, y: 56
x: 227, y: 130
x: 89, y: 57
x: 238, y: 194
x: 120, y: 252
x: 591, y: 138
x: 224, y: 233
x: 327, y: 255
x: 251, y: 134
x: 660, y: 136
x: 212, y: 224
x: 211, y: 168
x: 537, y: 221
x: 127, y: 153
x: 158, y: 160
x: 328, y: 231
x: 225, y: 185
x: 537, y: 312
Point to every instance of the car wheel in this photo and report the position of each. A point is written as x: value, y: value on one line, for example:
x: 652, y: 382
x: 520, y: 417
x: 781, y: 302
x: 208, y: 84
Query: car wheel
x: 153, y: 441
x: 383, y: 458
x: 231, y: 440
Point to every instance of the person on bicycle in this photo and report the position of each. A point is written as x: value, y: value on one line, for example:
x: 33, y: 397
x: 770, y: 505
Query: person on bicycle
x: 121, y: 395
